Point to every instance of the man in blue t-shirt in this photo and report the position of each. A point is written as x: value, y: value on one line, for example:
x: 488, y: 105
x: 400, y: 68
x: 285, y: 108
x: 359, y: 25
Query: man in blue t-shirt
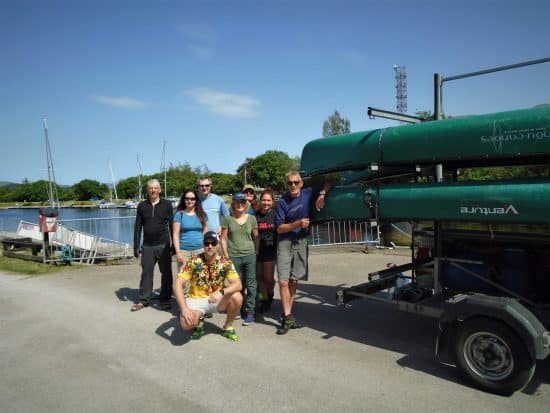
x: 292, y: 222
x: 213, y: 205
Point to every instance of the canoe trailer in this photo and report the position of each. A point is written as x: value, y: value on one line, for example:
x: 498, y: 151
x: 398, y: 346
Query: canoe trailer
x: 479, y: 251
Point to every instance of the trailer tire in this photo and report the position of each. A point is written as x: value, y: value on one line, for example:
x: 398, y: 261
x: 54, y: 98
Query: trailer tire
x: 492, y: 356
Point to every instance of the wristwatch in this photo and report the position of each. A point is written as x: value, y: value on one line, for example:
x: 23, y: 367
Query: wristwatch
x: 322, y: 192
x: 222, y: 292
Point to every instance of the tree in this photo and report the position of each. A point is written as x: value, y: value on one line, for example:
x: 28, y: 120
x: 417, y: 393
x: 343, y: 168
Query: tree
x: 88, y: 188
x: 269, y: 169
x: 335, y: 125
x: 225, y: 183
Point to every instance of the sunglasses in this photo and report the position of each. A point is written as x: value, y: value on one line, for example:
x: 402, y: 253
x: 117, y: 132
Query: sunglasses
x: 210, y: 244
x: 190, y: 199
x: 205, y: 186
x: 290, y: 183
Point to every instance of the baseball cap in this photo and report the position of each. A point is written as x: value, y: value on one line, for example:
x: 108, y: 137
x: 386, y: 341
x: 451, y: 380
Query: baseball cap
x: 239, y: 196
x: 248, y: 186
x: 210, y: 236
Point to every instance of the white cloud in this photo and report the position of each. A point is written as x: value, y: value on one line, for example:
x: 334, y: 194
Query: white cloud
x: 199, y: 38
x: 124, y: 102
x: 201, y: 51
x: 225, y: 104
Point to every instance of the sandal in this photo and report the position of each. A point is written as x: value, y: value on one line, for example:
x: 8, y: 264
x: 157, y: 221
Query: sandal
x: 230, y: 334
x: 138, y: 306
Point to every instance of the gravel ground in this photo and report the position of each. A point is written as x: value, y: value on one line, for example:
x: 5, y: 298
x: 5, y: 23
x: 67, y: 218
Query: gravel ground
x: 69, y: 343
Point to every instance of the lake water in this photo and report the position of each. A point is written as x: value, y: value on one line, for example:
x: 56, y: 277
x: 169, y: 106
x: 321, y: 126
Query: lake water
x: 114, y: 224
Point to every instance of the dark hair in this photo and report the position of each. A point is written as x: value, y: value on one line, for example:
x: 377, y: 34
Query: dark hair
x: 268, y: 191
x: 198, y: 205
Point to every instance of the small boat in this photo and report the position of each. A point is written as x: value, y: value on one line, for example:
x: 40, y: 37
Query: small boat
x: 129, y: 205
x: 103, y: 204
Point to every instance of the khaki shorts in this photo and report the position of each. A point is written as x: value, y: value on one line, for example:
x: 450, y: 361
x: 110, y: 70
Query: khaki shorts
x: 292, y: 259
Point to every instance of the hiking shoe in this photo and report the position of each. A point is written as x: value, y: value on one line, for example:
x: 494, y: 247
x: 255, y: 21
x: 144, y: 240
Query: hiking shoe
x: 198, y: 331
x: 248, y: 320
x: 289, y: 322
x: 295, y: 323
x: 230, y: 334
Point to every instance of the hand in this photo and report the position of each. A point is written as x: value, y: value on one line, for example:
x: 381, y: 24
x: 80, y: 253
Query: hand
x: 179, y: 257
x: 303, y: 223
x: 136, y: 253
x: 320, y: 203
x: 190, y: 317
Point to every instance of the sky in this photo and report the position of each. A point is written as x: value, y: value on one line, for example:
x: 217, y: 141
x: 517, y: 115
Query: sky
x: 216, y: 82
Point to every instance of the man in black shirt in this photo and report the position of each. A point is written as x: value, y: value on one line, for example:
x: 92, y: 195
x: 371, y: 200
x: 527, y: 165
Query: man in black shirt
x: 154, y: 216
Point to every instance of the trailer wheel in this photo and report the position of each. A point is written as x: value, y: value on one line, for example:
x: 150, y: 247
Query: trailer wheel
x: 492, y: 356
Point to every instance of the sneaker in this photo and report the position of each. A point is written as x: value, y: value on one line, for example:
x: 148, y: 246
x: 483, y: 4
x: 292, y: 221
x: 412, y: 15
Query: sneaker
x: 230, y: 334
x: 248, y: 320
x: 198, y: 331
x: 295, y: 323
x: 165, y: 306
x: 289, y: 322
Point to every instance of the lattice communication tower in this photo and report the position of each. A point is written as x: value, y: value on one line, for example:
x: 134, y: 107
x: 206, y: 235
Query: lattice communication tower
x: 401, y: 88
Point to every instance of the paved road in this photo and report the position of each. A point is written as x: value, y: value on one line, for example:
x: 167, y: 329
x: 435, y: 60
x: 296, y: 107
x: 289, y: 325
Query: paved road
x: 69, y: 343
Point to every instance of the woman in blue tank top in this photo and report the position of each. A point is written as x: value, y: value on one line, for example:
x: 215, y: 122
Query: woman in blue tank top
x: 190, y: 223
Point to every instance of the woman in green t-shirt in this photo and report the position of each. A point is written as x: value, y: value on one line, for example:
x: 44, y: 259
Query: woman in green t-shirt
x: 240, y: 243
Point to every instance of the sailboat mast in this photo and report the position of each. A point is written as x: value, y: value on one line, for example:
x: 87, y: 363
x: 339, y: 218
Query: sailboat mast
x: 139, y: 178
x: 112, y: 178
x: 164, y: 166
x: 52, y: 187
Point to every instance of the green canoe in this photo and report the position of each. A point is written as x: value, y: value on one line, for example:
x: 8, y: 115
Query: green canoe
x: 516, y: 136
x: 505, y: 202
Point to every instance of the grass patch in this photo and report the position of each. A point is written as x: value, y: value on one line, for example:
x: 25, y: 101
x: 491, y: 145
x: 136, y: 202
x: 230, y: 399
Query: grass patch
x: 18, y: 266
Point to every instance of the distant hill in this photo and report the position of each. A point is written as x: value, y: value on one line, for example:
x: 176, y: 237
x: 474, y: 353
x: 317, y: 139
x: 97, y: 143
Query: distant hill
x: 4, y: 183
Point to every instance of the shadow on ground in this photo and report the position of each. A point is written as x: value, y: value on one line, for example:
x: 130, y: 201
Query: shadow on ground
x: 382, y: 325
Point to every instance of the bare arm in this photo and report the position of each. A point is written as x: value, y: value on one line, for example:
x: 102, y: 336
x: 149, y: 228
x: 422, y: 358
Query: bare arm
x: 301, y: 223
x: 176, y: 240
x: 223, y: 241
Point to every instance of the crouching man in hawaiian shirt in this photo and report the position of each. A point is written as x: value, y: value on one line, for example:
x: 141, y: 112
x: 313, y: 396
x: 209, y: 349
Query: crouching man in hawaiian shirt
x: 209, y: 292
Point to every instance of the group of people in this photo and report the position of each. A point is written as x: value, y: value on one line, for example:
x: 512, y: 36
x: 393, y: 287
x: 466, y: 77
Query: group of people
x: 226, y: 257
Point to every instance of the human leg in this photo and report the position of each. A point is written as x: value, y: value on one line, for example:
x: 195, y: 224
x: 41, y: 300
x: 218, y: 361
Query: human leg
x: 249, y: 275
x: 269, y: 282
x: 231, y: 303
x: 284, y: 261
x: 165, y: 266
x: 146, y: 281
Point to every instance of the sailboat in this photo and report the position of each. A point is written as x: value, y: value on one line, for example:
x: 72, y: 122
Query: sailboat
x: 174, y: 200
x: 110, y: 204
x: 130, y: 204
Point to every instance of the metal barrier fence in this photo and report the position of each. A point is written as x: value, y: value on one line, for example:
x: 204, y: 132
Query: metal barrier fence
x: 344, y: 232
x: 85, y: 240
